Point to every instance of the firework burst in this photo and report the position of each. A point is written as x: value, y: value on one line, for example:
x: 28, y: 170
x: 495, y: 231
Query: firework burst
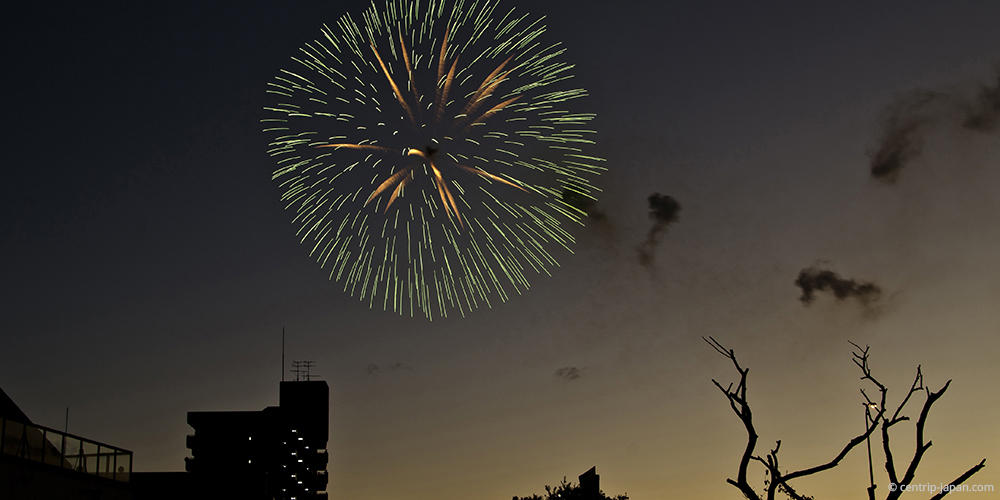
x: 424, y: 151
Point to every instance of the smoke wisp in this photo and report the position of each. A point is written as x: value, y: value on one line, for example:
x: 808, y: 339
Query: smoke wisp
x: 664, y: 211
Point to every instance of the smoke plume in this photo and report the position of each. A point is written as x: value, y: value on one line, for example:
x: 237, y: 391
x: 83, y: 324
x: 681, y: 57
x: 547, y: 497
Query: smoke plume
x: 568, y: 373
x: 583, y: 203
x: 903, y: 133
x: 983, y: 113
x: 908, y: 118
x: 812, y: 280
x: 663, y: 210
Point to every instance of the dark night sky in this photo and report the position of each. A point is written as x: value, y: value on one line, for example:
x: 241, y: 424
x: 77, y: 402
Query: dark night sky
x: 148, y: 267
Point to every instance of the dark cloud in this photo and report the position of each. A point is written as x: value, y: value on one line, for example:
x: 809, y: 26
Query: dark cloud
x: 664, y: 211
x: 568, y: 373
x: 374, y: 369
x: 813, y: 279
x: 907, y: 119
x: 583, y: 203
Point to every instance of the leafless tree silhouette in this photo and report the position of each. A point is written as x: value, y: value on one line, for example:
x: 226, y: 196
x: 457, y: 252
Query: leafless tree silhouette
x: 778, y: 480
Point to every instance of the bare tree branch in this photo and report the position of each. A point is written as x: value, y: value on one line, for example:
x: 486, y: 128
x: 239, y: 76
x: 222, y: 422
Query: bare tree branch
x: 890, y: 466
x: 738, y: 403
x: 961, y: 479
x: 860, y: 359
x: 921, y: 446
x: 778, y: 482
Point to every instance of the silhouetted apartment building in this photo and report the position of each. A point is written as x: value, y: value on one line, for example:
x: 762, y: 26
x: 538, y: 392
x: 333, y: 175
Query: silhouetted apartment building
x: 276, y: 453
x: 40, y: 463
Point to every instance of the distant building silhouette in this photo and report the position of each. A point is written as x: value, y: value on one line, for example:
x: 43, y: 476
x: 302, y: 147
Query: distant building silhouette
x: 589, y: 488
x: 276, y: 453
x: 41, y: 463
x: 590, y: 483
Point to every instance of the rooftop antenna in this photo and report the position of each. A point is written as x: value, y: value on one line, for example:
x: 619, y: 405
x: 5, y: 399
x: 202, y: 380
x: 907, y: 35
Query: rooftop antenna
x: 66, y: 425
x: 301, y: 369
x: 282, y: 354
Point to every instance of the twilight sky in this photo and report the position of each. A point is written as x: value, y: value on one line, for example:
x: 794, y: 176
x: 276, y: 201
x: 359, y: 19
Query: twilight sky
x: 148, y: 266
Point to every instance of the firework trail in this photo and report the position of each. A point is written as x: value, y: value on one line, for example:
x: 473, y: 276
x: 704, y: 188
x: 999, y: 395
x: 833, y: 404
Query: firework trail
x: 424, y: 150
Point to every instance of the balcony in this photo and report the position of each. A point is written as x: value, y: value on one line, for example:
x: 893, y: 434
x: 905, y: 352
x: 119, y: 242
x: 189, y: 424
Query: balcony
x: 63, y: 450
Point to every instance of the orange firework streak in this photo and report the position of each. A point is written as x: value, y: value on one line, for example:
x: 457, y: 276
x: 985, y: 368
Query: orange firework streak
x: 446, y: 193
x: 486, y: 88
x: 491, y: 176
x: 494, y: 110
x: 443, y: 97
x: 440, y: 71
x: 409, y: 67
x: 388, y: 182
x: 444, y: 52
x: 446, y: 198
x: 395, y: 192
x: 395, y: 88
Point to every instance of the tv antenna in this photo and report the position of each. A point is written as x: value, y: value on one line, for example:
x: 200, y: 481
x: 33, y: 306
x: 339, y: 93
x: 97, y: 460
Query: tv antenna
x: 301, y: 369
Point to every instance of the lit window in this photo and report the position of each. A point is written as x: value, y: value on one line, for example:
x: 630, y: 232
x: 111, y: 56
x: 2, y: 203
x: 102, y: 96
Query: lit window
x: 300, y: 460
x: 249, y: 461
x: 249, y: 438
x: 300, y: 439
x: 293, y: 430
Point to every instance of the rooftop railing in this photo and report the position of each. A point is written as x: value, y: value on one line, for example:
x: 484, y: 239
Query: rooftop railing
x: 63, y: 450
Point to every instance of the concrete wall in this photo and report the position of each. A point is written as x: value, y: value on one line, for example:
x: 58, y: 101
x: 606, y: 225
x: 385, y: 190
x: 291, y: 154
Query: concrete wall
x: 27, y: 480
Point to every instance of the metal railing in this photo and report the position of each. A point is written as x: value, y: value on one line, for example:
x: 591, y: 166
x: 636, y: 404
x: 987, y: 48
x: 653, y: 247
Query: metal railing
x: 66, y: 451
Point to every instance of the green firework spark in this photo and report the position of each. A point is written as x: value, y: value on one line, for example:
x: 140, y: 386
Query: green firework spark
x: 425, y: 149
